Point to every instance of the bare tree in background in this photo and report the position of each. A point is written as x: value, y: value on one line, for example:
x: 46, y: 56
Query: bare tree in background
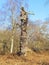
x: 12, y: 12
x: 14, y: 8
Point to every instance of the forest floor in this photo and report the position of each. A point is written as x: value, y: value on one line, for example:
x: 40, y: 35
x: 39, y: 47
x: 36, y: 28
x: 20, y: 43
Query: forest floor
x: 30, y: 59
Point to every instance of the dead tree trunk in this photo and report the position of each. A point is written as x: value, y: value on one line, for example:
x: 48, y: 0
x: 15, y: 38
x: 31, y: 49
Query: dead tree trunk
x: 12, y: 38
x: 23, y: 36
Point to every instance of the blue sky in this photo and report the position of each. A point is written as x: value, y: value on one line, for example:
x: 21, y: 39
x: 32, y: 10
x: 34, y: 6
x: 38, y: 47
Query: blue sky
x: 37, y: 6
x: 40, y: 9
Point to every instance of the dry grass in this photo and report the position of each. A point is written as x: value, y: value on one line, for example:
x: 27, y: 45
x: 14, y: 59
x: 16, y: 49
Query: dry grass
x: 30, y: 59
